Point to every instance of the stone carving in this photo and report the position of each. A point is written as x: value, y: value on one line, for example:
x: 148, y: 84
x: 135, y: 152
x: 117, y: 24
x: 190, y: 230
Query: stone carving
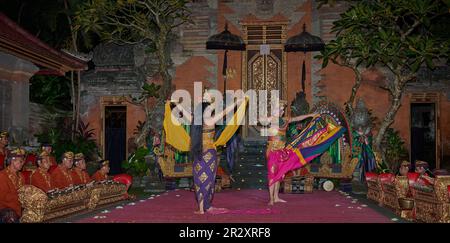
x: 110, y: 54
x: 119, y: 70
x: 362, y: 143
x: 299, y: 105
x: 264, y: 7
x: 361, y: 120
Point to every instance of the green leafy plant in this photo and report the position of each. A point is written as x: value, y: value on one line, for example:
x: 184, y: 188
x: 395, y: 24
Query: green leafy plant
x: 60, y: 139
x: 394, y: 150
x: 136, y: 164
x: 51, y: 91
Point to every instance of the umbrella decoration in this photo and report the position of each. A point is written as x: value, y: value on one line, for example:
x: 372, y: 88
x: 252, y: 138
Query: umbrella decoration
x: 225, y: 41
x: 304, y: 42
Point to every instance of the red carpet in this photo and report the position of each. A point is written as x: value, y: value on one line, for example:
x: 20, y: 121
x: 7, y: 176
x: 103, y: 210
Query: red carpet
x: 244, y: 206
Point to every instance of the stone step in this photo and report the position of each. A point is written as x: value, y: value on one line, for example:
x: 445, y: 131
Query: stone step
x: 251, y: 159
x: 249, y: 185
x: 251, y: 166
x: 250, y: 173
x: 246, y: 159
x: 251, y: 155
x: 250, y: 170
x: 257, y: 150
x: 252, y: 144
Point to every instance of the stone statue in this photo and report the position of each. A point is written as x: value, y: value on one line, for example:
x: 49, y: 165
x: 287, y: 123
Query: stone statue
x: 299, y: 105
x: 362, y: 139
x: 361, y: 120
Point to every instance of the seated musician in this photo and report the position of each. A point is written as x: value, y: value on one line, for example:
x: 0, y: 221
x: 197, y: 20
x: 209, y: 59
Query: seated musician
x: 40, y: 178
x: 404, y: 168
x: 3, y: 151
x: 422, y: 168
x: 102, y: 173
x: 61, y: 177
x: 79, y: 174
x: 11, y: 180
x: 48, y: 148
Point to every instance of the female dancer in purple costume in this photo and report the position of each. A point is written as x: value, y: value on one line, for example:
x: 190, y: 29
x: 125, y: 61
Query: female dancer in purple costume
x: 203, y: 153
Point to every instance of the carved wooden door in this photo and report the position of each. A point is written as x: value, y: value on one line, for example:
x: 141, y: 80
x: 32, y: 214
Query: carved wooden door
x: 264, y: 71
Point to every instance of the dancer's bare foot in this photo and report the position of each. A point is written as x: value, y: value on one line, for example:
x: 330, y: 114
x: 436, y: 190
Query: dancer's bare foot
x: 279, y: 200
x: 270, y: 203
x: 199, y: 212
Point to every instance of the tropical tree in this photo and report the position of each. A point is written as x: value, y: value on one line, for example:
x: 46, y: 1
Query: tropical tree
x: 147, y: 22
x: 137, y: 21
x: 74, y: 42
x: 148, y: 91
x: 393, y: 35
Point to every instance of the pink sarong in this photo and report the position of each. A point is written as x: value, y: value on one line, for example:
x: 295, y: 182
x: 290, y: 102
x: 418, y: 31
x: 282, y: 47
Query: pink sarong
x: 279, y: 162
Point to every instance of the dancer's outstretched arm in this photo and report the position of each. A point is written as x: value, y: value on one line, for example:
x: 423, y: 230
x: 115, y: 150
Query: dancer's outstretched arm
x: 302, y: 117
x: 219, y: 116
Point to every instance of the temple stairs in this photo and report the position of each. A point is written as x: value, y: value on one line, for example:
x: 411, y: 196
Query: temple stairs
x: 250, y: 170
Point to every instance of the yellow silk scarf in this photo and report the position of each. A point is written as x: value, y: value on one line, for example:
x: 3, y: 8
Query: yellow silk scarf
x: 232, y: 126
x: 179, y: 138
x: 176, y: 135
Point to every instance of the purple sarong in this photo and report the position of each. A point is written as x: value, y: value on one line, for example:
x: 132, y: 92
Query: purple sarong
x: 204, y: 172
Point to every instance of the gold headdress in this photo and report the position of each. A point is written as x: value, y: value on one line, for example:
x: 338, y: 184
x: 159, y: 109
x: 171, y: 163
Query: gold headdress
x: 68, y: 155
x: 4, y: 134
x: 420, y: 163
x: 79, y: 156
x: 405, y: 163
x: 19, y: 152
x: 104, y: 162
x: 43, y: 154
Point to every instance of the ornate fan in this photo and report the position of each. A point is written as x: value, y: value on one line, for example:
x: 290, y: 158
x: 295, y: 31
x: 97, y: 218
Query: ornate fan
x: 333, y: 114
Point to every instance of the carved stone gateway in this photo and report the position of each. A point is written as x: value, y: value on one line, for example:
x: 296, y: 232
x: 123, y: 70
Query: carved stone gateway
x: 119, y: 70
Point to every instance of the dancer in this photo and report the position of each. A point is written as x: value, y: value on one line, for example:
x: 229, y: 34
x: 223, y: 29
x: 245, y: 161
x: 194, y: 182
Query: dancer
x: 307, y: 145
x: 202, y: 146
